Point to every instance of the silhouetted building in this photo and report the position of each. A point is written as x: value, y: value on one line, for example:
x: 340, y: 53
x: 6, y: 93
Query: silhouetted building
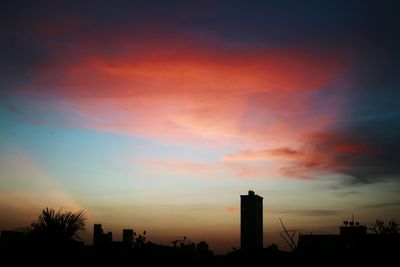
x: 127, y: 237
x: 11, y: 238
x: 107, y: 238
x: 351, y: 238
x: 202, y: 246
x: 97, y: 235
x: 352, y: 247
x: 251, y: 221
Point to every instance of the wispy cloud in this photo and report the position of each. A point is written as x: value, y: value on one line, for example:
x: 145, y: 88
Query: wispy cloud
x: 310, y: 212
x: 361, y: 160
x: 283, y: 152
x: 382, y: 205
x: 181, y: 166
x: 230, y: 209
x: 346, y: 193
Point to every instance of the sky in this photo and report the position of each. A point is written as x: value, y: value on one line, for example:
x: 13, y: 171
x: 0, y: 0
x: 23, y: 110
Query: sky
x: 158, y: 115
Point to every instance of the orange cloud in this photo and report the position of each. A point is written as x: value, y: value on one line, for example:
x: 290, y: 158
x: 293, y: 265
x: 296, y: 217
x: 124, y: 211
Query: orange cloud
x: 230, y: 209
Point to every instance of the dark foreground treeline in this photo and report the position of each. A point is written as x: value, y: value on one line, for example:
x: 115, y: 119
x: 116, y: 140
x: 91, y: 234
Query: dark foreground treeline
x: 33, y: 253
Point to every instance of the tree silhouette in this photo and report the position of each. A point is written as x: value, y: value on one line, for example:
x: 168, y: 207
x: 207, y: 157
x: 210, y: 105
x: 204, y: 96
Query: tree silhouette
x: 380, y: 227
x: 140, y: 240
x: 58, y: 227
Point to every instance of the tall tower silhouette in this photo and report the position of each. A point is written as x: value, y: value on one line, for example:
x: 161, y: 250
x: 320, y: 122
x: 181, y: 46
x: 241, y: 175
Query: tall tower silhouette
x: 251, y: 221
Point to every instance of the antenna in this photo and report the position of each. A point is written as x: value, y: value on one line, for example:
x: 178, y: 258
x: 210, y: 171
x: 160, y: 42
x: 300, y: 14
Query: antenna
x: 352, y: 222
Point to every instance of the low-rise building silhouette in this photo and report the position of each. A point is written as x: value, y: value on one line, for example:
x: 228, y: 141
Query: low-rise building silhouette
x: 12, y: 239
x: 352, y: 245
x: 99, y: 237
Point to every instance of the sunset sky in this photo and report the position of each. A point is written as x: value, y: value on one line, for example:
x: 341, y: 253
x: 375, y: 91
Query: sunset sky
x: 158, y: 115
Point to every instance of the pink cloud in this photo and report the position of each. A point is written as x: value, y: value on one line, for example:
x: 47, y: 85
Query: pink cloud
x: 283, y: 152
x: 174, y: 166
x: 191, y: 90
x: 196, y: 93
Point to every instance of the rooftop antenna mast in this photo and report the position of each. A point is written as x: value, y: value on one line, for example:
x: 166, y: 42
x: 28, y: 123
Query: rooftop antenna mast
x: 352, y: 222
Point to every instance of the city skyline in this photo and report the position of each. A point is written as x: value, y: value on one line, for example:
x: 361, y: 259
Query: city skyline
x: 157, y: 116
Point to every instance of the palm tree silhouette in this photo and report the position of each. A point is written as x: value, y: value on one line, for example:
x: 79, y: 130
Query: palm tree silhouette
x: 59, y: 227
